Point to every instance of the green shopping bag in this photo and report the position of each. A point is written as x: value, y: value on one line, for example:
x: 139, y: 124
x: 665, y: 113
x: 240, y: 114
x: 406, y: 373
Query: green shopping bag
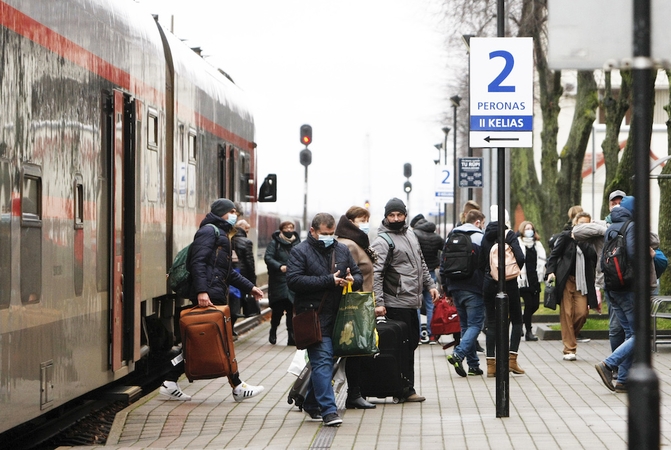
x: 354, y: 332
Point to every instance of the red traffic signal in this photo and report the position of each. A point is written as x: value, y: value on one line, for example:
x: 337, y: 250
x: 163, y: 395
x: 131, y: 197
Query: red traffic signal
x: 306, y: 135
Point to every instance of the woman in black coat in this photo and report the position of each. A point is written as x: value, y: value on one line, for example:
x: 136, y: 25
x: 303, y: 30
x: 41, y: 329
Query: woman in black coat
x: 280, y: 297
x: 573, y: 265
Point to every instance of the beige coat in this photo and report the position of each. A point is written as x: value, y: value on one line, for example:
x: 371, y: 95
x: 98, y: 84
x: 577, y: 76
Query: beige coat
x: 362, y: 260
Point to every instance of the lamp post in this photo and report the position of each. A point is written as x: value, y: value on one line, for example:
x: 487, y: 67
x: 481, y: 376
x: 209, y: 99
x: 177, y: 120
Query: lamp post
x: 439, y: 147
x: 446, y: 131
x: 466, y: 38
x: 455, y: 99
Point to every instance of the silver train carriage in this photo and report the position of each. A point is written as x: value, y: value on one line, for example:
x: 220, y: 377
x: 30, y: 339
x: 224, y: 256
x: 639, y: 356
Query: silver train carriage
x: 115, y: 138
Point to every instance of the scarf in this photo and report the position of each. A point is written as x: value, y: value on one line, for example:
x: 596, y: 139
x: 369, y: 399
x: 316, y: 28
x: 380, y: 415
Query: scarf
x: 580, y: 278
x: 528, y: 242
x: 286, y: 239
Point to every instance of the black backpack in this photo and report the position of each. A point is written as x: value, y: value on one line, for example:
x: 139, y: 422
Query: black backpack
x: 458, y: 260
x: 618, y: 273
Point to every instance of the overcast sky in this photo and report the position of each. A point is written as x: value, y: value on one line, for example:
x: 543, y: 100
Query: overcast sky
x: 368, y: 75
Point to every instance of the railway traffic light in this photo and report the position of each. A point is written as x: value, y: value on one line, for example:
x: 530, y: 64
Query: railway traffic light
x: 407, y: 170
x: 407, y: 187
x: 306, y: 135
x: 306, y: 157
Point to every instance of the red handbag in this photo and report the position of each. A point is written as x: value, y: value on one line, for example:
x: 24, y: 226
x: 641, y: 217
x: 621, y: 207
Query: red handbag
x: 445, y: 318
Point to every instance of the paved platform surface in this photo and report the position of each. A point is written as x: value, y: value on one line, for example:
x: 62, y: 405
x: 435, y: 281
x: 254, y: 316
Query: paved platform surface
x: 555, y: 405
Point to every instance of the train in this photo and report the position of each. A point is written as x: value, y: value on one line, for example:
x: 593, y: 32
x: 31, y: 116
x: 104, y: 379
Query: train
x: 115, y: 139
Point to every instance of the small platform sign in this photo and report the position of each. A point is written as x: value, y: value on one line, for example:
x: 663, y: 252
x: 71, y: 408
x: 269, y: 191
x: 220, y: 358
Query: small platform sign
x: 502, y: 92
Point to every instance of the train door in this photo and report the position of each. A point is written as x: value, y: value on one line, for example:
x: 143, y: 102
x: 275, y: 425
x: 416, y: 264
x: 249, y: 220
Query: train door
x: 122, y: 229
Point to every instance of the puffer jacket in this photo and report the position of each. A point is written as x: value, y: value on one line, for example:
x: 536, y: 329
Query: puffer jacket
x: 276, y: 256
x: 210, y: 265
x: 430, y: 243
x: 491, y: 239
x: 310, y: 272
x: 400, y: 285
x: 244, y: 248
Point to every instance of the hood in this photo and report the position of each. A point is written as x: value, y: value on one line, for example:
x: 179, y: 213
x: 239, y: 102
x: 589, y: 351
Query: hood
x: 492, y: 231
x: 217, y: 221
x: 346, y: 229
x: 425, y: 225
x: 468, y: 227
x: 620, y: 214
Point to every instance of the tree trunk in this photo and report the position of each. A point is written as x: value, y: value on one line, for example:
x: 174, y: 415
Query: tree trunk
x: 569, y: 184
x: 615, y: 109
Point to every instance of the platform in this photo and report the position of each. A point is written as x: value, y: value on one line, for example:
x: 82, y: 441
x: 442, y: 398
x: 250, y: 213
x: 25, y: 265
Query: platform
x: 557, y: 404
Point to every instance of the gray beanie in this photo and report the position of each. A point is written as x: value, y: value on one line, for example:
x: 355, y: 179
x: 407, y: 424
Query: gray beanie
x: 221, y: 206
x: 395, y: 204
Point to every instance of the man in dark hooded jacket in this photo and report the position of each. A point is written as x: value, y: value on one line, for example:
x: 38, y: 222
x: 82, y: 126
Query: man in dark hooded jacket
x: 209, y: 264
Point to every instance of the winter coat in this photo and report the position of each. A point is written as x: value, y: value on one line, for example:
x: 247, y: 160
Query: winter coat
x: 562, y: 263
x: 276, y: 256
x: 210, y: 263
x: 541, y: 259
x: 310, y: 272
x: 244, y: 248
x: 400, y: 285
x: 491, y: 239
x: 359, y: 246
x: 430, y: 243
x: 474, y: 283
x: 593, y: 233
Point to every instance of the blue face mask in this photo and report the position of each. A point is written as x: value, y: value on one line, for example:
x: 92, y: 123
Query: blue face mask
x: 365, y: 227
x: 327, y: 239
x: 232, y: 218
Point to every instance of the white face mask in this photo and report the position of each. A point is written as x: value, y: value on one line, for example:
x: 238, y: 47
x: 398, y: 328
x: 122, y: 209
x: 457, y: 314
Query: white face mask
x: 232, y: 218
x: 529, y: 233
x: 327, y: 239
x: 365, y: 227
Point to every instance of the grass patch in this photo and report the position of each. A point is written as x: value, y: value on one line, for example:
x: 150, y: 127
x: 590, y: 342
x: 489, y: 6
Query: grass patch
x: 602, y: 324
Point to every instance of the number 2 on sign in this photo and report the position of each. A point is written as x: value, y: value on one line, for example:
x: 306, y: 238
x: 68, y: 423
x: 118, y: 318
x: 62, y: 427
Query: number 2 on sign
x: 495, y: 86
x: 447, y: 176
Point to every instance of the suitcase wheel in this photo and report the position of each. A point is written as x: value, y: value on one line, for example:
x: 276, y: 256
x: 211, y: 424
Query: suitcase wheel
x: 396, y: 400
x: 424, y: 335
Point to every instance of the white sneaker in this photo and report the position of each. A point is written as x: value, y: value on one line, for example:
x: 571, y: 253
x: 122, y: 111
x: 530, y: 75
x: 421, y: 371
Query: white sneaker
x: 569, y: 357
x: 171, y: 391
x: 244, y: 391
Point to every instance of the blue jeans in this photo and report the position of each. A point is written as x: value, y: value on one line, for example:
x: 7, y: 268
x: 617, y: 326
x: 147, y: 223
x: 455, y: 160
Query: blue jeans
x: 320, y: 396
x: 615, y: 331
x: 471, y: 310
x: 623, y: 306
x: 428, y: 304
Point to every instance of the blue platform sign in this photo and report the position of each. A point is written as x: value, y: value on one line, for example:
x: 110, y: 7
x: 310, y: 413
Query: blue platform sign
x: 502, y: 92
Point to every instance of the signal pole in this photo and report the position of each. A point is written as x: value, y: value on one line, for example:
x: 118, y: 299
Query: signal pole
x: 306, y: 160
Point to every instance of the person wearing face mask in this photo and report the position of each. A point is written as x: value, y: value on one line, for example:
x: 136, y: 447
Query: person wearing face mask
x: 531, y: 274
x: 279, y: 295
x: 317, y: 270
x: 399, y: 282
x: 352, y: 230
x: 209, y: 264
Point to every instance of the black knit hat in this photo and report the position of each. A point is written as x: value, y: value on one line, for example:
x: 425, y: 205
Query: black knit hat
x: 221, y: 206
x: 395, y: 204
x: 416, y: 219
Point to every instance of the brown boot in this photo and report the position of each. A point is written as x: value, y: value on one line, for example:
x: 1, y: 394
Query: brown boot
x: 512, y: 364
x: 491, y: 367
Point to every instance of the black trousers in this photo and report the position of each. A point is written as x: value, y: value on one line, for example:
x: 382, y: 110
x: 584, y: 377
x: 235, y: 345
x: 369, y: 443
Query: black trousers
x: 279, y: 307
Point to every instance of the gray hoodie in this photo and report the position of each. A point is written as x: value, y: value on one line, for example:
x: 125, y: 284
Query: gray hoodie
x: 400, y: 285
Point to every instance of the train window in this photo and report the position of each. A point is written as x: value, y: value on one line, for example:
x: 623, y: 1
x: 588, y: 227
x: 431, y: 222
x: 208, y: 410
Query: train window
x: 152, y: 129
x: 221, y: 170
x: 78, y: 249
x: 31, y: 234
x: 246, y: 177
x: 79, y: 202
x: 193, y: 142
x: 180, y: 167
x: 31, y: 196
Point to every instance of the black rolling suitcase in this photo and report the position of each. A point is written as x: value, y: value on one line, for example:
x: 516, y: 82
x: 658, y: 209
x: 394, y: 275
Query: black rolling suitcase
x: 300, y: 387
x: 385, y: 374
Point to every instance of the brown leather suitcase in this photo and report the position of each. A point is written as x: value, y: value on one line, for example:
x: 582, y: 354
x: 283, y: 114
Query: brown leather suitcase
x: 207, y: 342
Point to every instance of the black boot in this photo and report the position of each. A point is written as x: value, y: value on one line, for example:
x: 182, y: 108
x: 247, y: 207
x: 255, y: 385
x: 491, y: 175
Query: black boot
x: 529, y: 336
x: 356, y: 401
x: 273, y: 335
x: 290, y: 340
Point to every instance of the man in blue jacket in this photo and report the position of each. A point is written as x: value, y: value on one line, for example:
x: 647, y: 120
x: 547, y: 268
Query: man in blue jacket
x: 317, y: 270
x: 622, y: 303
x: 209, y: 264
